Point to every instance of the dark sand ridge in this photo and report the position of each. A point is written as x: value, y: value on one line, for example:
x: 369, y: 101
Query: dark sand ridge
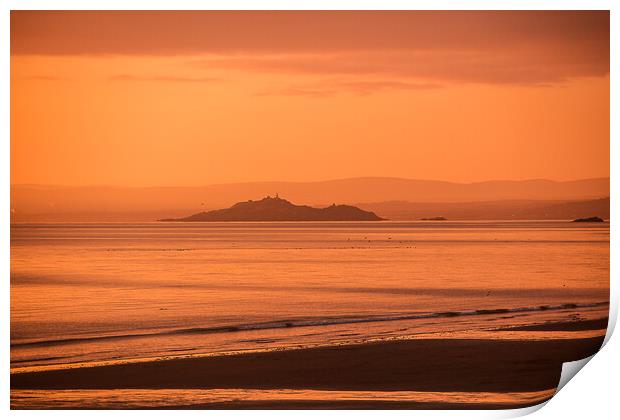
x: 419, y: 365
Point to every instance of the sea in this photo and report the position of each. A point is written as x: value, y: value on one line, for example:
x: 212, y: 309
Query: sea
x: 87, y: 294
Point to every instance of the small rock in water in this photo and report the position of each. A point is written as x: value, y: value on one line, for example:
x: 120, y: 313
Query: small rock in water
x: 589, y: 220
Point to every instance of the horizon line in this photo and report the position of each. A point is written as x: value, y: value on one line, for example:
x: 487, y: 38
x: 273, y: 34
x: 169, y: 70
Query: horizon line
x: 306, y: 182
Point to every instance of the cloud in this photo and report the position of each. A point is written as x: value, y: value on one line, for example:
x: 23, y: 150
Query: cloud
x: 45, y: 78
x: 498, y: 47
x: 334, y: 87
x: 530, y: 67
x: 233, y: 32
x: 298, y: 91
x: 179, y: 79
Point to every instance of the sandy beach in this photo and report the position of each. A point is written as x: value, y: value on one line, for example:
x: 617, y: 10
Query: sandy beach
x: 592, y: 324
x: 428, y: 365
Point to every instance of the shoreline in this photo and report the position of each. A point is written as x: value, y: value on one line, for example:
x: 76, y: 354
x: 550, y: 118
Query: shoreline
x: 584, y: 325
x: 431, y: 365
x: 436, y: 367
x: 592, y: 328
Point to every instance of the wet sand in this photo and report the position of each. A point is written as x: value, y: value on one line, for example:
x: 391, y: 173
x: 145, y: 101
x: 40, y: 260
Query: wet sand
x: 434, y: 365
x: 593, y: 324
x: 340, y: 405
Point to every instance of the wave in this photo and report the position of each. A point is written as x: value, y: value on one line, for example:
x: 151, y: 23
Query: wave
x: 311, y: 322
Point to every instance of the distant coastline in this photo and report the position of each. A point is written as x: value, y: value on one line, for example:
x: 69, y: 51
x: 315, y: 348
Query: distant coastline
x: 390, y: 198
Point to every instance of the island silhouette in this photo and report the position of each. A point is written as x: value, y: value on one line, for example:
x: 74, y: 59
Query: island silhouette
x: 276, y: 209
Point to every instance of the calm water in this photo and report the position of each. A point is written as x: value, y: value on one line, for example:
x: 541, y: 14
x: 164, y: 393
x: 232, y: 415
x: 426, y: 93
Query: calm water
x: 98, y: 293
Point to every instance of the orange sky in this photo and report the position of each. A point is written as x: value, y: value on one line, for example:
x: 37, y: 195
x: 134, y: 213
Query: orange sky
x: 194, y: 98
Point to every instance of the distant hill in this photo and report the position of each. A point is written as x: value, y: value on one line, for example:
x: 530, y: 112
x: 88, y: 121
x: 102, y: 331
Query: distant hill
x: 271, y: 209
x: 492, y: 210
x: 99, y: 203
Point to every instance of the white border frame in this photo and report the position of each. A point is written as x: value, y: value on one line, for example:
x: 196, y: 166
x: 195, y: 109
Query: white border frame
x: 598, y: 386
